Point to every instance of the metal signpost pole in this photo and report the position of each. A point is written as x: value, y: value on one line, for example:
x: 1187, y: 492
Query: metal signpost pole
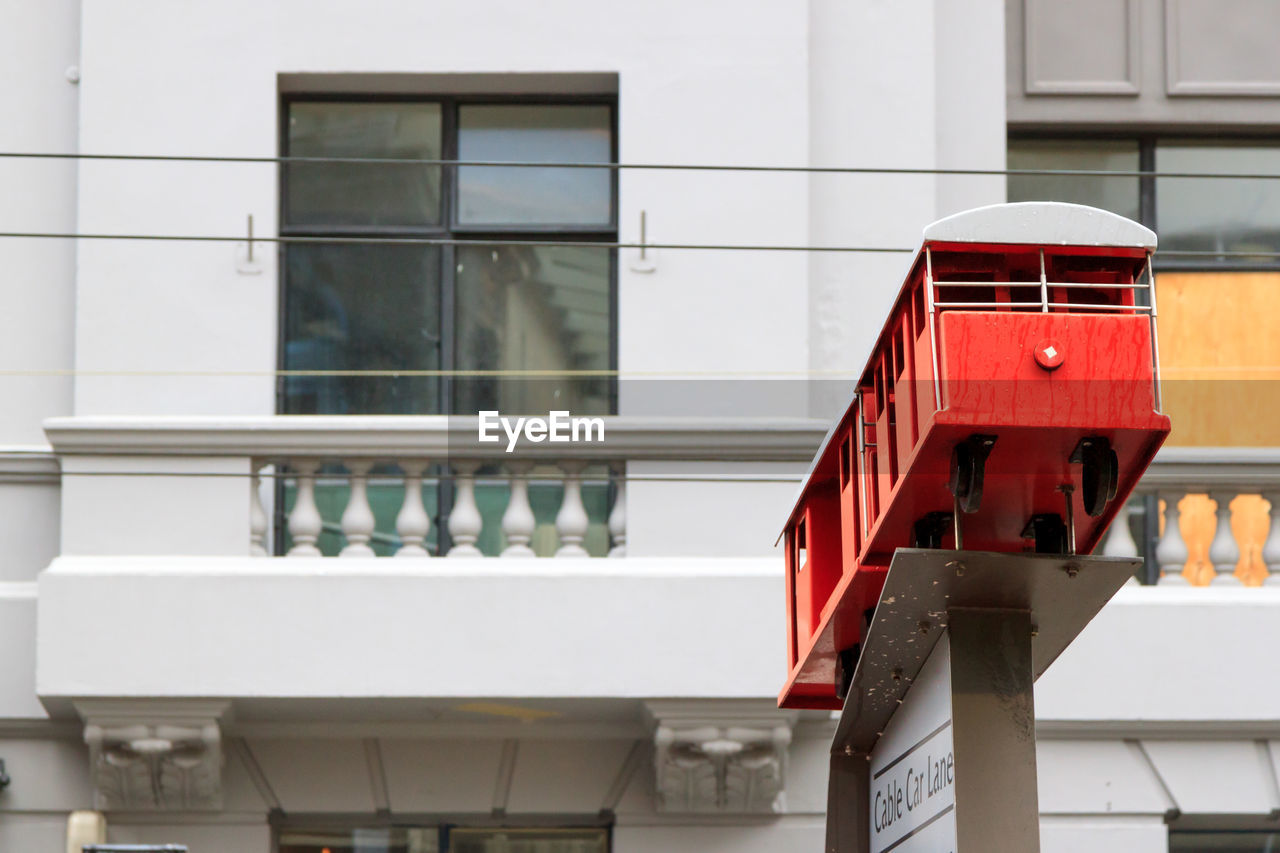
x: 935, y: 749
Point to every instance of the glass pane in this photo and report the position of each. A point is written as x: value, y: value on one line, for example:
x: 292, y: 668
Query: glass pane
x: 363, y: 193
x: 361, y: 307
x: 1118, y: 195
x: 375, y: 840
x: 1223, y: 842
x: 1226, y: 214
x: 534, y: 196
x: 528, y: 841
x: 533, y: 308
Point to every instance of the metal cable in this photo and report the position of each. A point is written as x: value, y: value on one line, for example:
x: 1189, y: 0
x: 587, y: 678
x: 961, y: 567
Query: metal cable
x: 685, y: 167
x: 442, y: 241
x: 579, y: 244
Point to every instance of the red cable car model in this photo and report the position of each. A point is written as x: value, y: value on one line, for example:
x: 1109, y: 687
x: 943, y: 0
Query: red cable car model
x: 1011, y: 403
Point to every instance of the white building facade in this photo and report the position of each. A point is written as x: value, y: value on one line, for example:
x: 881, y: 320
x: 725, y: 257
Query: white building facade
x: 262, y: 588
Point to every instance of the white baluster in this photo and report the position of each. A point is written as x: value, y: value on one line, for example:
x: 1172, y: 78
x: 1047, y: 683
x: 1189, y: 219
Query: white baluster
x: 305, y: 522
x: 1271, y: 548
x: 618, y: 516
x: 1119, y: 538
x: 412, y: 523
x: 571, y: 520
x: 1171, y: 550
x: 518, y: 522
x: 257, y: 517
x: 1224, y: 552
x: 357, y: 519
x: 465, y: 521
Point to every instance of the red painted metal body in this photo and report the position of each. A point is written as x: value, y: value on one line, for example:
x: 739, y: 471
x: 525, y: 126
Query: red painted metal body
x: 1037, y: 345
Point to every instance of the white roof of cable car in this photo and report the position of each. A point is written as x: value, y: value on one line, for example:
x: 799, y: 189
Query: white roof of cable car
x: 1046, y: 223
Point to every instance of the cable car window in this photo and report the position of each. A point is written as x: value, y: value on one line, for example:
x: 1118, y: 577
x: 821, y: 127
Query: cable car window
x: 899, y: 351
x: 802, y: 550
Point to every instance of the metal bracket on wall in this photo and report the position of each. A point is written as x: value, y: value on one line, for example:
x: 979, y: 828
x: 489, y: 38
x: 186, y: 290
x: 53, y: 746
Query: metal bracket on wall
x: 644, y: 262
x: 247, y: 263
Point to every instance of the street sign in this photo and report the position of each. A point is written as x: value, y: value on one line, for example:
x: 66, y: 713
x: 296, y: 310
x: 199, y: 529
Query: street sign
x: 935, y: 748
x: 913, y: 776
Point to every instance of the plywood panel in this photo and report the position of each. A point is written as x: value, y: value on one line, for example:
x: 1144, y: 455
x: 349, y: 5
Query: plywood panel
x: 1220, y: 357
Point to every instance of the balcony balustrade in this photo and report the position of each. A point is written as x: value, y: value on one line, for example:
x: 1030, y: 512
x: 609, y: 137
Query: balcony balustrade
x: 1216, y: 518
x: 365, y: 508
x: 421, y: 487
x: 408, y: 487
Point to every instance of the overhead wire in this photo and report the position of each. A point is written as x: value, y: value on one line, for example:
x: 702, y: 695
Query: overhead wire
x: 444, y: 241
x: 615, y: 166
x: 584, y: 243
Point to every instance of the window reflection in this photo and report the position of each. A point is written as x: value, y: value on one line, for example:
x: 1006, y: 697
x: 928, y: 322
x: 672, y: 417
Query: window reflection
x: 530, y: 196
x: 363, y: 194
x: 459, y: 840
x: 360, y: 308
x: 1223, y: 842
x: 1117, y: 194
x: 373, y: 840
x: 1218, y: 215
x: 528, y: 841
x: 532, y: 308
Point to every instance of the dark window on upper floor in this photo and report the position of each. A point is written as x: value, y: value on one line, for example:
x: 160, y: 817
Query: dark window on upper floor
x: 443, y: 839
x: 1244, y: 841
x: 452, y: 320
x: 1202, y: 222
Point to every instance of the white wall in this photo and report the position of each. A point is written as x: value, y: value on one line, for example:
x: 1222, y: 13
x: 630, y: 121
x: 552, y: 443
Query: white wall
x: 1168, y: 653
x: 716, y: 82
x: 39, y: 44
x: 1103, y: 834
x: 333, y: 628
x: 918, y: 84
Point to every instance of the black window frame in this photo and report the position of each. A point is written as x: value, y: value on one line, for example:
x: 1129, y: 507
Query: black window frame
x: 282, y: 823
x: 447, y: 229
x: 1147, y: 141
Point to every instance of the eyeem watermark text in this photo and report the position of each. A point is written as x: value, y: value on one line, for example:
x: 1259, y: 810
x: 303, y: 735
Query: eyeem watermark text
x: 556, y: 427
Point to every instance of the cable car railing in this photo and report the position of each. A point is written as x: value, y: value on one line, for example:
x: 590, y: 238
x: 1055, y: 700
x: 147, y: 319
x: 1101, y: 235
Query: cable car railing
x: 1045, y: 304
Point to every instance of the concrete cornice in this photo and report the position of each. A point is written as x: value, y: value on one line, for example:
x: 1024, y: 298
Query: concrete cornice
x: 1149, y: 730
x: 429, y: 436
x: 28, y: 464
x: 1202, y: 468
x: 410, y: 436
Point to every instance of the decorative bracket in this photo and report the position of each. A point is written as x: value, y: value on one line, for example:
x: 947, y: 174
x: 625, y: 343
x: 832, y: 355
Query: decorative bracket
x: 155, y: 756
x: 720, y: 757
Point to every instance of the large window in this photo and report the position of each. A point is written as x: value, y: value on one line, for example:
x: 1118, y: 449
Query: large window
x: 444, y: 839
x: 374, y: 327
x: 1196, y: 841
x: 1202, y: 222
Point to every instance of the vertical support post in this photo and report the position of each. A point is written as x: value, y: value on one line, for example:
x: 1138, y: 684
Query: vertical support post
x: 1044, y: 286
x: 932, y: 311
x: 1155, y: 340
x: 848, y: 804
x: 993, y: 718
